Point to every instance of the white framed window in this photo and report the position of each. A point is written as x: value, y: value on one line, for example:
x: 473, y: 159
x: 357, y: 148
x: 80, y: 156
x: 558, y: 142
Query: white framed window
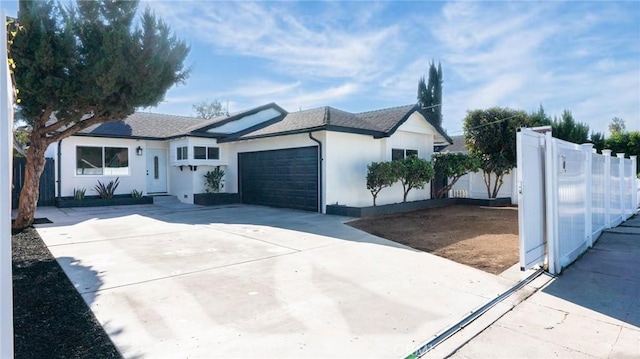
x: 182, y: 153
x: 206, y: 153
x: 102, y: 161
x: 401, y: 153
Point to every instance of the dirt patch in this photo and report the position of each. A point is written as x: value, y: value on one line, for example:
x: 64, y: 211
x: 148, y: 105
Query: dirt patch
x: 482, y: 237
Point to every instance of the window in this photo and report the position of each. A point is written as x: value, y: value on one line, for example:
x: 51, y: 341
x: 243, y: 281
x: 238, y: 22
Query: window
x: 400, y: 154
x: 397, y: 154
x: 182, y: 153
x: 156, y: 167
x: 106, y: 161
x: 206, y: 153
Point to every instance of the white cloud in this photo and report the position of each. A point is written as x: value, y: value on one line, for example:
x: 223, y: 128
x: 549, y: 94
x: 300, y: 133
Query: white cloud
x: 274, y: 32
x: 519, y: 55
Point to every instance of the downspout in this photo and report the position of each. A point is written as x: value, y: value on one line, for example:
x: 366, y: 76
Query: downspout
x: 319, y: 170
x: 59, y: 168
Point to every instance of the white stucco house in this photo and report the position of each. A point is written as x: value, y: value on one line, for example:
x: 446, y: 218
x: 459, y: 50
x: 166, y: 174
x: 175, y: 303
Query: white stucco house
x: 472, y: 184
x: 304, y: 160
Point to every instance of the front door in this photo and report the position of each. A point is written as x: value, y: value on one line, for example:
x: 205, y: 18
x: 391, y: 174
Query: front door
x: 156, y: 171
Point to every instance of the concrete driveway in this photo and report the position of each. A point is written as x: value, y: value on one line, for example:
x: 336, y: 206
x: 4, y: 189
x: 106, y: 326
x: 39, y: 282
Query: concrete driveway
x: 250, y: 281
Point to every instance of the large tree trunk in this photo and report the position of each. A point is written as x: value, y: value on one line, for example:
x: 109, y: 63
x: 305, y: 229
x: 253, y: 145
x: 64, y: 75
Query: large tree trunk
x: 31, y: 188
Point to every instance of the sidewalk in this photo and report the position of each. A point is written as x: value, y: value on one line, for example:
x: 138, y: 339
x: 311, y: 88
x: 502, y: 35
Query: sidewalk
x: 592, y: 310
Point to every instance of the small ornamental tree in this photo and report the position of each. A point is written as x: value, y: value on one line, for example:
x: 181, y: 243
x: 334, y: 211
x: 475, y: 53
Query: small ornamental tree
x: 79, y: 64
x: 454, y: 166
x: 413, y: 172
x: 379, y: 175
x: 490, y: 135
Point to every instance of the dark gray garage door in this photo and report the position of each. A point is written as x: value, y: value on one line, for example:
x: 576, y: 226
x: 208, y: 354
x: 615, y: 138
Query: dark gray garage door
x: 281, y: 178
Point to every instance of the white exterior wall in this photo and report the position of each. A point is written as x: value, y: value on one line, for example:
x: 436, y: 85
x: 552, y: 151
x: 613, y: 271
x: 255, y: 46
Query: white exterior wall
x: 472, y: 185
x: 347, y: 157
x: 136, y: 179
x: 184, y: 183
x: 344, y: 162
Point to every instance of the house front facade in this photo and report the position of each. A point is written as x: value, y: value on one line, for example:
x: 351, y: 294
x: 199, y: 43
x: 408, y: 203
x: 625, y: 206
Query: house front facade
x: 302, y: 160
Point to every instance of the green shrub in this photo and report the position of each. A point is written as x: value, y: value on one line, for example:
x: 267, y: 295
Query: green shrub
x: 136, y: 194
x: 413, y: 172
x: 379, y: 175
x: 213, y: 180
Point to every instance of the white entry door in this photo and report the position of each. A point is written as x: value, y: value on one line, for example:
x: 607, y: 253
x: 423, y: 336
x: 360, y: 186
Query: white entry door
x: 156, y: 171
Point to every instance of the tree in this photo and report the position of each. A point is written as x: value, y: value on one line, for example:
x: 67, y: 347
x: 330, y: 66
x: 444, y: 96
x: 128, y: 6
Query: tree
x: 597, y: 138
x: 627, y: 142
x: 454, y: 166
x: 539, y: 118
x: 430, y: 95
x: 85, y: 64
x: 413, y: 172
x: 617, y: 125
x: 490, y: 136
x: 208, y: 109
x: 566, y: 128
x: 379, y: 176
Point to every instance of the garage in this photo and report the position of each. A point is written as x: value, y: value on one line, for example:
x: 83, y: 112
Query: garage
x: 285, y: 178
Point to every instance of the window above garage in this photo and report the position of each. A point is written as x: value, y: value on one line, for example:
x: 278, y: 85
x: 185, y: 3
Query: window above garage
x: 206, y: 153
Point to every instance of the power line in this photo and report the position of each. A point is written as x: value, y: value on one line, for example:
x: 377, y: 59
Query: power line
x: 488, y: 123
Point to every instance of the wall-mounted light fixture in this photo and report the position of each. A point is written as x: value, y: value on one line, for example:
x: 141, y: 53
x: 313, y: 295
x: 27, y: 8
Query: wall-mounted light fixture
x: 193, y: 168
x: 139, y: 151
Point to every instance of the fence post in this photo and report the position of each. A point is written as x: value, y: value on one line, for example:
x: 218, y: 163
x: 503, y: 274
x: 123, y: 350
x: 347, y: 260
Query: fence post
x: 607, y: 188
x: 551, y: 204
x: 623, y: 215
x: 587, y: 150
x: 634, y: 187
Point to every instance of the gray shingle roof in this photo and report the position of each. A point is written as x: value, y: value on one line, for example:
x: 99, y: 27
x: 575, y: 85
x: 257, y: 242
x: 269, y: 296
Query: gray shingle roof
x: 146, y: 125
x: 386, y: 119
x: 377, y: 123
x: 457, y: 146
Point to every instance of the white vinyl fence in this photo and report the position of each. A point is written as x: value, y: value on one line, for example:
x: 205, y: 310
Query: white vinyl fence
x: 568, y: 195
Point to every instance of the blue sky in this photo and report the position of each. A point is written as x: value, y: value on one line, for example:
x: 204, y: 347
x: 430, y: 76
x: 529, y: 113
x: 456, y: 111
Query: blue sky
x: 359, y: 56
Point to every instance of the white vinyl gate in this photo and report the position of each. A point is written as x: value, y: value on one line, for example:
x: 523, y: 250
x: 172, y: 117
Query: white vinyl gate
x: 531, y: 199
x: 567, y: 195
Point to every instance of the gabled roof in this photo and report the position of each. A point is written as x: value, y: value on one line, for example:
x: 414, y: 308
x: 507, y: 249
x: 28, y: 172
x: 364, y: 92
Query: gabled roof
x: 378, y: 123
x: 264, y: 121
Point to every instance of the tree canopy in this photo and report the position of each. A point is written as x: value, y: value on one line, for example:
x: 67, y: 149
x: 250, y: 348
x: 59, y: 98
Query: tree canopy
x: 85, y: 63
x: 566, y: 128
x: 617, y: 125
x: 379, y: 176
x: 208, y: 109
x: 430, y: 94
x: 412, y: 172
x: 490, y: 135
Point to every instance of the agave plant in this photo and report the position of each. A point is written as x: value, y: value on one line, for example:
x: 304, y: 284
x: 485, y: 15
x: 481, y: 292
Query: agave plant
x: 136, y: 194
x: 78, y: 193
x: 107, y: 191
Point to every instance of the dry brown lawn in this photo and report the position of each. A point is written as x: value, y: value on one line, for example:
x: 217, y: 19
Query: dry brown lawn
x: 482, y: 237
